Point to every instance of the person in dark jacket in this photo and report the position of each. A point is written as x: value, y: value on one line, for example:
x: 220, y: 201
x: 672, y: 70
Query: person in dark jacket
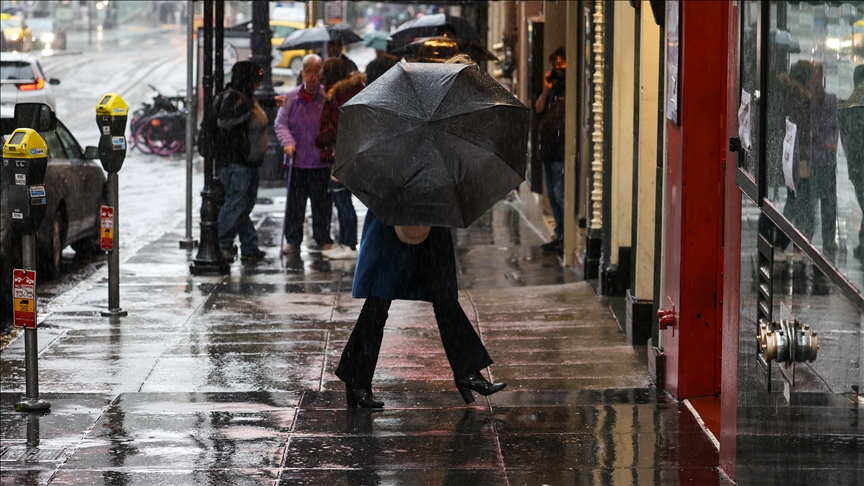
x: 241, y: 120
x: 409, y: 263
x: 340, y: 87
x: 551, y: 105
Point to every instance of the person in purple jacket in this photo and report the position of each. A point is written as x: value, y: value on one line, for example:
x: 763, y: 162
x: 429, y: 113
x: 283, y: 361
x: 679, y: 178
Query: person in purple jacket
x: 296, y: 126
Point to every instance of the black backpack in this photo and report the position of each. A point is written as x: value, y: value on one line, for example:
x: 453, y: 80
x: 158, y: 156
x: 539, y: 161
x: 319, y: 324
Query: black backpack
x: 224, y: 145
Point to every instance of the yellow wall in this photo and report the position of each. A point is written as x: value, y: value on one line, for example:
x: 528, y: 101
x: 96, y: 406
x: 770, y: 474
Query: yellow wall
x: 649, y: 65
x: 621, y: 130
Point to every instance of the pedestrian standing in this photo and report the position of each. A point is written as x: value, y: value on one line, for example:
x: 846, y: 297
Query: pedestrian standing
x: 243, y: 126
x: 409, y: 263
x: 297, y: 126
x: 340, y: 87
x: 551, y: 105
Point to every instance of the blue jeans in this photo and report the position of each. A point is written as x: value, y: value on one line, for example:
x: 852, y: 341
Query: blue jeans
x: 554, y: 171
x: 347, y: 215
x: 241, y: 191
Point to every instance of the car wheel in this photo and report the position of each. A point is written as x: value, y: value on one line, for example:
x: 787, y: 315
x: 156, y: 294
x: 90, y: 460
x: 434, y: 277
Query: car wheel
x: 89, y: 246
x: 50, y: 257
x: 296, y: 65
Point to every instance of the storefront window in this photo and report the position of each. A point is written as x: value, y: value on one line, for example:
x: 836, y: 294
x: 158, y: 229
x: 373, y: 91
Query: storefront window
x: 815, y: 166
x: 748, y: 102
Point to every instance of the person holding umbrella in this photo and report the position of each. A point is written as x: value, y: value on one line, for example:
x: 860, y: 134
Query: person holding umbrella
x: 416, y: 262
x: 340, y: 88
x: 334, y: 50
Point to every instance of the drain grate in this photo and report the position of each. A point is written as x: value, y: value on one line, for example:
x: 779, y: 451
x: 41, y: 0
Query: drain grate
x: 30, y: 454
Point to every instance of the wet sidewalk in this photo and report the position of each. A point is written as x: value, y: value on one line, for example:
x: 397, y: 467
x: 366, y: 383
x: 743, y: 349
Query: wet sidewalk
x: 228, y: 380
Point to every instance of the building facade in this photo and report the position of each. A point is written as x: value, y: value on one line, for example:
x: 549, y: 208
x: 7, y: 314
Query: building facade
x: 713, y: 183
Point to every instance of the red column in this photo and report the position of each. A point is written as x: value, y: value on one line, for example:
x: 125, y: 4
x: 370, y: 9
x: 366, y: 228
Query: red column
x: 693, y: 256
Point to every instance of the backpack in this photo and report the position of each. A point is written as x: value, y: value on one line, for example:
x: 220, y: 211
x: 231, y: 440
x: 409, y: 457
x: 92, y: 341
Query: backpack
x: 229, y: 144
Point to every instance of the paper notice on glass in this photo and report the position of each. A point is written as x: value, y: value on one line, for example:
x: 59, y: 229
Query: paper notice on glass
x: 788, y: 153
x: 744, y: 121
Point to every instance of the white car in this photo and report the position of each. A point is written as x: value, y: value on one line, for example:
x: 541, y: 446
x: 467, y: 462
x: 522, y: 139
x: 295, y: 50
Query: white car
x: 23, y: 81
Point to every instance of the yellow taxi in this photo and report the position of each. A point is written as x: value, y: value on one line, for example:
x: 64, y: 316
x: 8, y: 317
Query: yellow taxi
x: 17, y: 36
x: 282, y: 29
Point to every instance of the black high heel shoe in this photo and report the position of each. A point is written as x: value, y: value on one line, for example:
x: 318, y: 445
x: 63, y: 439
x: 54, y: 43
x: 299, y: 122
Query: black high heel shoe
x: 358, y: 396
x: 476, y: 382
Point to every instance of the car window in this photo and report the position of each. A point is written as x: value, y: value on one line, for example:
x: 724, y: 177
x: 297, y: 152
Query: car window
x: 55, y: 147
x: 73, y: 150
x: 10, y: 24
x: 16, y: 70
x: 280, y: 31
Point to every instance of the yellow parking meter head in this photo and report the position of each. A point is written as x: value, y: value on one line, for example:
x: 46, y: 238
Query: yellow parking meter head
x: 111, y: 113
x: 25, y: 158
x: 26, y: 153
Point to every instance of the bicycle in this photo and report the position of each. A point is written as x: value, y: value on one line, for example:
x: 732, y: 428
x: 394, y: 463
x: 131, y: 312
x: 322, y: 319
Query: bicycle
x: 163, y: 133
x: 161, y: 104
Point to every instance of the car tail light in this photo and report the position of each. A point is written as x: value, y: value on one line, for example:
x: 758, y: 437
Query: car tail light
x: 39, y: 84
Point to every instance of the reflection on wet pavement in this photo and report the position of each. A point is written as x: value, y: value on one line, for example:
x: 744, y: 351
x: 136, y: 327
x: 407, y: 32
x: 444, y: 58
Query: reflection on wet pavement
x: 228, y: 380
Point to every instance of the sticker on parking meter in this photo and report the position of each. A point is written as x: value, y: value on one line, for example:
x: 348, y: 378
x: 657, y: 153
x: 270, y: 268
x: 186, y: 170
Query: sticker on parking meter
x: 37, y: 191
x: 118, y: 143
x: 106, y: 130
x: 107, y: 216
x: 24, y: 297
x: 20, y: 179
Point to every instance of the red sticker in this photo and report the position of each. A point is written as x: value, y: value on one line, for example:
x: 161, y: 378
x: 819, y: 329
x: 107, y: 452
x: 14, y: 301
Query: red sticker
x: 24, y: 297
x: 107, y: 228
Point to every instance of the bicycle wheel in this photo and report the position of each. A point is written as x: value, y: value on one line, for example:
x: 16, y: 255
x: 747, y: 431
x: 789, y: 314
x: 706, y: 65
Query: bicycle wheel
x: 159, y: 137
x: 140, y: 139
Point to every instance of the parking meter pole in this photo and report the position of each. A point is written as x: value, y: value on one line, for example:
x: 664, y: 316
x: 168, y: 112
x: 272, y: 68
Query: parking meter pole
x: 188, y: 243
x: 25, y: 159
x: 111, y: 115
x: 209, y: 259
x: 31, y: 401
x: 114, y: 309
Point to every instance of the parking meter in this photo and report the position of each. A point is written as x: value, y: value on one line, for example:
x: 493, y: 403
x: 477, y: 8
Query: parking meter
x: 111, y: 114
x: 25, y: 158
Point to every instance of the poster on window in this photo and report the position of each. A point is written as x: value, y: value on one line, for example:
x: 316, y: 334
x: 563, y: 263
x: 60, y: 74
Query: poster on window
x: 672, y: 60
x: 744, y: 121
x: 789, y: 153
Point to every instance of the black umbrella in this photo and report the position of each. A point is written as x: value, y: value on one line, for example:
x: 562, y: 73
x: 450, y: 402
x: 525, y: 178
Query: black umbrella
x: 432, y: 144
x: 314, y: 37
x: 433, y: 26
x: 443, y: 48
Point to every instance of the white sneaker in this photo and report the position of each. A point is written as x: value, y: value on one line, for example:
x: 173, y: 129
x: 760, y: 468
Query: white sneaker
x: 340, y: 252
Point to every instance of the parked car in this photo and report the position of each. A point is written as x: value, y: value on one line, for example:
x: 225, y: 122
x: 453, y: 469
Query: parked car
x: 47, y: 34
x: 18, y: 35
x: 75, y: 187
x: 22, y: 80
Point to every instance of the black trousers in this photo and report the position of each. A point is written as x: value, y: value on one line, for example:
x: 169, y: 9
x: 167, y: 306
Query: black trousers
x: 313, y: 184
x: 462, y: 345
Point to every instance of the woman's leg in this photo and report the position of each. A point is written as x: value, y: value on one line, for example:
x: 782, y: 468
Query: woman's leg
x: 464, y: 349
x: 360, y: 356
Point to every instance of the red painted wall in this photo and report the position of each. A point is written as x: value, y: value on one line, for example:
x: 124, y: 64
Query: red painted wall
x: 694, y: 201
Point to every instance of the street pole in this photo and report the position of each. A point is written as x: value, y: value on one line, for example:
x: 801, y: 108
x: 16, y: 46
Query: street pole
x: 31, y: 401
x: 114, y: 309
x: 266, y: 96
x: 209, y: 259
x: 191, y: 118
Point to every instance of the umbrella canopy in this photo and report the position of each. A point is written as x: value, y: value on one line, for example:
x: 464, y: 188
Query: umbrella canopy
x: 314, y: 37
x: 443, y: 48
x: 433, y: 26
x: 376, y: 40
x: 432, y: 144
